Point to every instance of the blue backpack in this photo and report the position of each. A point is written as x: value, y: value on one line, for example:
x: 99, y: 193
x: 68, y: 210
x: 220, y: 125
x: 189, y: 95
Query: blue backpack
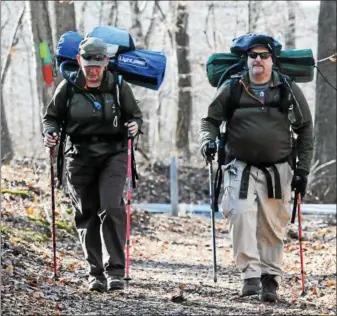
x: 139, y: 67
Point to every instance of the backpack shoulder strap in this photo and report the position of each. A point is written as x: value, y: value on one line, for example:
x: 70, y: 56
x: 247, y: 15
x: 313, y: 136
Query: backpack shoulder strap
x: 234, y: 97
x: 117, y: 89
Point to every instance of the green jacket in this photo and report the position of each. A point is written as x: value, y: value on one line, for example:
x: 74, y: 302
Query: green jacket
x: 259, y: 134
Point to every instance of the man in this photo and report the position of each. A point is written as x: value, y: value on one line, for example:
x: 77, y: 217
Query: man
x: 258, y: 156
x: 96, y: 159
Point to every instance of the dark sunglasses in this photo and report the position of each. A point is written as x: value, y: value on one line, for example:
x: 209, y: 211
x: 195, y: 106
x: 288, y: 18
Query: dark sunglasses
x: 264, y: 55
x: 93, y: 57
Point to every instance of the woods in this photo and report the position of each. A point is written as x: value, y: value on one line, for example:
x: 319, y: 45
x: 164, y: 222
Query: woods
x: 188, y: 35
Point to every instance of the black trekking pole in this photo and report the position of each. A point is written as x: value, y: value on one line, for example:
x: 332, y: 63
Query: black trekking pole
x: 211, y: 200
x: 300, y: 238
x: 52, y: 182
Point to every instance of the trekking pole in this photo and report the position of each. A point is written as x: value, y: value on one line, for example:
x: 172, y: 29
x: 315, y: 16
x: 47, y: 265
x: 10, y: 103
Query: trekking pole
x: 128, y: 209
x: 211, y: 199
x: 300, y: 238
x: 51, y: 155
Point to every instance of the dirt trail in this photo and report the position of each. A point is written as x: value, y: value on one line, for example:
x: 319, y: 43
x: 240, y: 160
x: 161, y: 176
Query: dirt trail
x: 171, y: 266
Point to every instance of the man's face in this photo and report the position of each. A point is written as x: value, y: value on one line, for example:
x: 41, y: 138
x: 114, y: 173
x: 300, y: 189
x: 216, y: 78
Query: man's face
x: 259, y: 65
x: 92, y: 73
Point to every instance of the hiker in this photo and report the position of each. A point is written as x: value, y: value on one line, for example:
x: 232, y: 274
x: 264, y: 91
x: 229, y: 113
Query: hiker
x: 96, y: 159
x: 258, y: 169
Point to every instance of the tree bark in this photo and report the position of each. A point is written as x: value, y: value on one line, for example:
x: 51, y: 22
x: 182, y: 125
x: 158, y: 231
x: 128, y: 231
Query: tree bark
x: 38, y: 19
x: 290, y: 36
x: 65, y: 21
x: 184, y: 81
x: 6, y: 142
x: 253, y: 15
x: 81, y: 21
x: 325, y: 113
x: 113, y: 14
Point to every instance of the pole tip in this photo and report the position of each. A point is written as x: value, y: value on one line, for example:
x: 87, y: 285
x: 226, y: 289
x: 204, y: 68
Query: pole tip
x: 55, y: 277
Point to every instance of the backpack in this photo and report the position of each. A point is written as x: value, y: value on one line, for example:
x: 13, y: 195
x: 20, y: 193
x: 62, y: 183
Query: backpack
x: 143, y: 68
x: 298, y: 64
x: 71, y: 86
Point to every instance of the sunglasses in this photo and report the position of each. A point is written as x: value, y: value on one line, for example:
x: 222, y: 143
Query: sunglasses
x: 93, y: 57
x: 264, y: 55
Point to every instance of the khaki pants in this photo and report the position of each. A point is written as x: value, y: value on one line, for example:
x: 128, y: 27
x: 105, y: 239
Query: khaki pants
x: 257, y: 223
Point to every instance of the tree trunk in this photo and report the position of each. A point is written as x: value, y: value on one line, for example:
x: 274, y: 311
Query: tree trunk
x: 136, y: 27
x: 253, y: 15
x: 81, y: 21
x: 38, y: 19
x: 65, y: 21
x: 6, y: 143
x: 184, y: 82
x: 113, y: 13
x: 290, y: 36
x: 325, y: 113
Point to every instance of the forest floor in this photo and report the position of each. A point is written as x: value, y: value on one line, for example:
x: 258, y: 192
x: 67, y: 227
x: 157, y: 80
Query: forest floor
x: 171, y: 262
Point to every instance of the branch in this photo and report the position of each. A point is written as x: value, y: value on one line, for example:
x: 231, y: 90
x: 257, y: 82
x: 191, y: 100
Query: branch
x: 164, y: 19
x: 151, y: 27
x: 210, y: 6
x: 6, y: 21
x: 9, y: 53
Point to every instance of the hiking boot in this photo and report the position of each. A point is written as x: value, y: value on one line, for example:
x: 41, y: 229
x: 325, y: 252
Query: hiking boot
x: 98, y: 285
x: 115, y: 283
x: 251, y: 286
x: 269, y: 287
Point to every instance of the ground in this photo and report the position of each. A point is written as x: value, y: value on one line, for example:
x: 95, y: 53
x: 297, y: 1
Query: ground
x: 171, y: 263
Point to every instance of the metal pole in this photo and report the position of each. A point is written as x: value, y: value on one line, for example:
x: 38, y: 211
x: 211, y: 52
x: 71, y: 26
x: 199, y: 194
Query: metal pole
x: 174, y: 184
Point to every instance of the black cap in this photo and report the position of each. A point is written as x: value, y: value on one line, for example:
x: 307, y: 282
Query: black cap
x: 261, y: 40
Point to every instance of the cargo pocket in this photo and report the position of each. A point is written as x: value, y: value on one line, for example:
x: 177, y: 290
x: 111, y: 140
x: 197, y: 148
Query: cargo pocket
x: 285, y: 210
x: 226, y: 198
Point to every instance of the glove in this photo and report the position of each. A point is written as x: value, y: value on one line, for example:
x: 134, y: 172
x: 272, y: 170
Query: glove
x: 50, y: 139
x: 208, y: 150
x: 132, y: 127
x: 299, y: 182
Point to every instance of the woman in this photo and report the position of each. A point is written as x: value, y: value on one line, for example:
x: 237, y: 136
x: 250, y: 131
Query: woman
x: 96, y: 159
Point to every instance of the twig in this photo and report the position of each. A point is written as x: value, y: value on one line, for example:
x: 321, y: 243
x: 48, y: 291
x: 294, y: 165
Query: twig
x: 151, y: 27
x: 164, y: 18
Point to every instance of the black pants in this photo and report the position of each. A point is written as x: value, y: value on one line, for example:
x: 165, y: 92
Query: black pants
x: 96, y: 189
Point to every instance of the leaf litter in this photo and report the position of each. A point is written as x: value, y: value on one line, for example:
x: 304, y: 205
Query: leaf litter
x: 171, y: 263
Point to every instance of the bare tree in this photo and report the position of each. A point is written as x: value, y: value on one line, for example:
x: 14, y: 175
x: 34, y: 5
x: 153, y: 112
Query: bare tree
x: 290, y: 35
x: 113, y: 13
x: 65, y: 21
x: 38, y: 19
x: 142, y: 40
x: 6, y: 143
x: 184, y: 81
x: 325, y: 114
x: 253, y: 15
x: 81, y: 21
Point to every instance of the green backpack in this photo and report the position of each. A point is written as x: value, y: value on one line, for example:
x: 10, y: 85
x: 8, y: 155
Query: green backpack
x: 298, y: 64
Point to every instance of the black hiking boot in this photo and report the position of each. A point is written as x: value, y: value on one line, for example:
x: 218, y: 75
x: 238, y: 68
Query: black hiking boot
x: 98, y: 285
x: 251, y: 286
x: 269, y: 287
x: 115, y: 283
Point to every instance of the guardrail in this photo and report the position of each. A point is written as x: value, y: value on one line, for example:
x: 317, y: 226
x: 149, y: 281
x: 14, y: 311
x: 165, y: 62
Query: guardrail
x: 204, y: 209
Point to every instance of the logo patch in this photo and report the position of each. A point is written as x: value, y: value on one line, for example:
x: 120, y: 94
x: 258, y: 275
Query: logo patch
x: 134, y: 61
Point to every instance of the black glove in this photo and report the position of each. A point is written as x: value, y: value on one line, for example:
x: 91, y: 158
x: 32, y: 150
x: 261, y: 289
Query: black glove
x: 208, y: 151
x: 299, y: 182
